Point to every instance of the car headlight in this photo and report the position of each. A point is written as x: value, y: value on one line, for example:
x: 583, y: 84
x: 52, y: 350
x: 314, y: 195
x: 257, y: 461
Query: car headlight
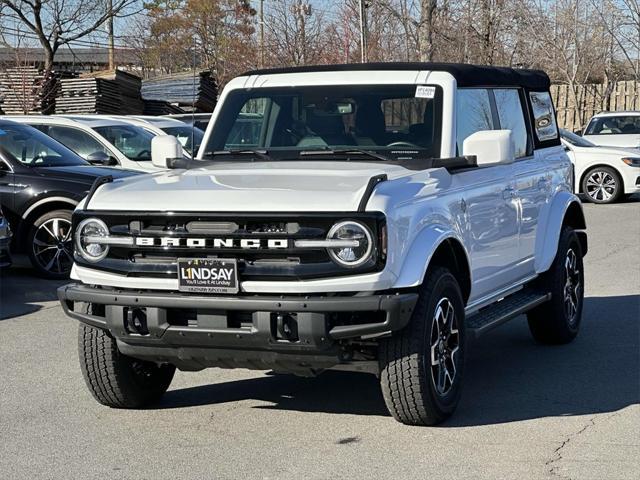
x: 632, y: 161
x: 358, y: 243
x: 87, y: 233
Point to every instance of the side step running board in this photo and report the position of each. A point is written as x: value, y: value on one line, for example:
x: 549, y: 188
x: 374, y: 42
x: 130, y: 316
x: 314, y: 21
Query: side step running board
x: 503, y: 311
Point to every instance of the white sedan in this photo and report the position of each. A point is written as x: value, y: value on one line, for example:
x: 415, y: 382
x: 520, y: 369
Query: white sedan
x: 603, y: 174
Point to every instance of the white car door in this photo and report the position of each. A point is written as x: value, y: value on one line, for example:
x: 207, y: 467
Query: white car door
x: 490, y: 202
x: 531, y: 177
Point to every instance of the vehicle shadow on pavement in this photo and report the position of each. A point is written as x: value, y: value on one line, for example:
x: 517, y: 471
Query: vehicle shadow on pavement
x: 21, y: 292
x: 508, y: 377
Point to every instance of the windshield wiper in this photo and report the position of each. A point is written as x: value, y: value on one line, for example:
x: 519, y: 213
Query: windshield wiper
x: 346, y: 151
x: 261, y: 154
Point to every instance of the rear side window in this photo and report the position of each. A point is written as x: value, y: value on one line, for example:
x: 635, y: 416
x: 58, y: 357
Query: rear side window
x: 511, y: 117
x: 80, y: 142
x: 473, y: 114
x: 619, y: 125
x: 543, y: 116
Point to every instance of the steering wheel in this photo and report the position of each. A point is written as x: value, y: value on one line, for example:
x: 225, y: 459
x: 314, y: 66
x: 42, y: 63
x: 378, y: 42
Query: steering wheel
x: 144, y: 153
x: 35, y: 159
x: 403, y: 144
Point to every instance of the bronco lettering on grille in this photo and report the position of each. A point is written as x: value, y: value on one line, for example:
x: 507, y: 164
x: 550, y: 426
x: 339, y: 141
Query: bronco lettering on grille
x: 222, y: 243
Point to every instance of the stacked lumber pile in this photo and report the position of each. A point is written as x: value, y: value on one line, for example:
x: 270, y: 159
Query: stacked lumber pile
x: 158, y: 107
x: 109, y: 92
x: 28, y: 90
x: 189, y: 91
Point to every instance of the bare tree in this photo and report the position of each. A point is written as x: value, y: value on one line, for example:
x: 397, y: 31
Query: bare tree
x: 55, y: 23
x: 295, y: 33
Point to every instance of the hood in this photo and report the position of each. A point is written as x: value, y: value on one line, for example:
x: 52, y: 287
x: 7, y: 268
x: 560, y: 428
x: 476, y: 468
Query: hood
x: 606, y: 150
x: 82, y: 173
x: 256, y: 187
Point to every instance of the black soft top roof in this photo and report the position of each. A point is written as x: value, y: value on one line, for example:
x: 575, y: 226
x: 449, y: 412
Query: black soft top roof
x: 466, y: 75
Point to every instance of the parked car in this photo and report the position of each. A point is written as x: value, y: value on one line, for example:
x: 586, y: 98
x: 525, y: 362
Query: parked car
x: 615, y: 129
x: 101, y: 141
x: 200, y: 120
x: 41, y: 182
x: 602, y: 174
x: 187, y: 135
x: 384, y: 213
x: 5, y: 239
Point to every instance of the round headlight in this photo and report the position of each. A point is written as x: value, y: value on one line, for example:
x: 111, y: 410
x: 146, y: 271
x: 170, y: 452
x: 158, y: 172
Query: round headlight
x: 353, y: 255
x: 89, y: 250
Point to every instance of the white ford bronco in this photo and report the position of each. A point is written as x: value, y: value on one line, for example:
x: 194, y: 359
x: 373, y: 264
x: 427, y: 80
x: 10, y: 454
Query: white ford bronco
x: 366, y: 217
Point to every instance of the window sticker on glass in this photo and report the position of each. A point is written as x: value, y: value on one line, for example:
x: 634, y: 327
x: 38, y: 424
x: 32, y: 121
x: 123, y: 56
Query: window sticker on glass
x: 545, y: 120
x: 423, y: 91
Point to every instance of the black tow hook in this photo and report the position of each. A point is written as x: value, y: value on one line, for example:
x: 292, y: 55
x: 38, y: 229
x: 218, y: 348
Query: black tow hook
x: 136, y: 321
x: 287, y: 326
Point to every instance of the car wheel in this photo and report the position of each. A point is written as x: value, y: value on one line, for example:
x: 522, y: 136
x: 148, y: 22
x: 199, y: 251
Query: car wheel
x: 602, y: 185
x: 422, y: 365
x: 50, y: 244
x: 558, y: 320
x: 116, y: 380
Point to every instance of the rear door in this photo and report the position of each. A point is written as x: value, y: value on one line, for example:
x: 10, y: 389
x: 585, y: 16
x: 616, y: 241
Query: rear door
x: 531, y: 177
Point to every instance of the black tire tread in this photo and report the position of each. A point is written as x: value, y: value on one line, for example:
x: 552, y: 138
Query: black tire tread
x: 107, y: 372
x: 546, y: 322
x: 403, y: 381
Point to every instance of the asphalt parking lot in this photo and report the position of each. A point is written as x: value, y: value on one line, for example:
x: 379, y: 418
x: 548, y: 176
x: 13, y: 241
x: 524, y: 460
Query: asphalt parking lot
x: 527, y: 411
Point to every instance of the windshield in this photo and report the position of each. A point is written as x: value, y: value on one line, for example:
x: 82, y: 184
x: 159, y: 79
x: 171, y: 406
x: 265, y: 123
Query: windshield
x: 133, y: 142
x: 186, y: 136
x: 31, y: 147
x: 618, y: 125
x: 575, y: 140
x: 399, y: 120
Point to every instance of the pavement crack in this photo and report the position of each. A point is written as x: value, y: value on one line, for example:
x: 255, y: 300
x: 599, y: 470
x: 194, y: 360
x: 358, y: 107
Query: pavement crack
x: 551, y: 464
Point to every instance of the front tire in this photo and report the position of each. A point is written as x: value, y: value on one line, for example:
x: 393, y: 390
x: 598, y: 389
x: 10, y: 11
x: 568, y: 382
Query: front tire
x: 558, y: 320
x: 50, y: 246
x: 602, y: 185
x: 422, y: 365
x: 116, y: 380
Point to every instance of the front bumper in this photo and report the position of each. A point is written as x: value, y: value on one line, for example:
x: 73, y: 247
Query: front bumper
x: 196, y: 331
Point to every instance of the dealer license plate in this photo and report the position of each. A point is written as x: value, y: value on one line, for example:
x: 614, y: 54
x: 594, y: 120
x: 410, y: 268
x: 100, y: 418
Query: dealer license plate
x: 208, y: 275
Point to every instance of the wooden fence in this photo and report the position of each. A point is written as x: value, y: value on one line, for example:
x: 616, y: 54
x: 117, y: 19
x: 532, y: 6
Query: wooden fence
x: 592, y: 99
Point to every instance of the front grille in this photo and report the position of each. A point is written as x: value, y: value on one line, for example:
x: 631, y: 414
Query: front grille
x: 264, y: 245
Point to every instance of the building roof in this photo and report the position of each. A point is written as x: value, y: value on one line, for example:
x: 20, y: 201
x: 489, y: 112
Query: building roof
x: 78, y: 56
x: 466, y: 75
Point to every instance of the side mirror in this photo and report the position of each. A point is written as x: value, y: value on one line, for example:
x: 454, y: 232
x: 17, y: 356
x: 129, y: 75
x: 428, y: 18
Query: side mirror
x: 578, y: 132
x: 165, y: 149
x: 490, y: 147
x: 101, y: 158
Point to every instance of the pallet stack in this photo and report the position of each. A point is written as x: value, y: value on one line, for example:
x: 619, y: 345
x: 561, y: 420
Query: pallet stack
x: 158, y: 107
x: 27, y: 90
x: 197, y: 92
x: 110, y: 92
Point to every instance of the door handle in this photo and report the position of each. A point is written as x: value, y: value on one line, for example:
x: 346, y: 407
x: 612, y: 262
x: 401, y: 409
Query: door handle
x: 508, y: 193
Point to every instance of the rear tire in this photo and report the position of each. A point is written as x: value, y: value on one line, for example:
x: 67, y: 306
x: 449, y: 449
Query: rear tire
x: 116, y: 380
x: 422, y: 365
x: 558, y: 320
